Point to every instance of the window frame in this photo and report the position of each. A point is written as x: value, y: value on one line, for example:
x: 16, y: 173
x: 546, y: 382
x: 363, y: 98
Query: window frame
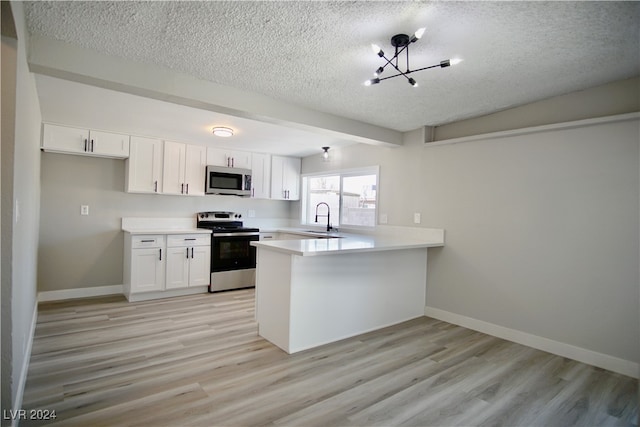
x: 342, y: 173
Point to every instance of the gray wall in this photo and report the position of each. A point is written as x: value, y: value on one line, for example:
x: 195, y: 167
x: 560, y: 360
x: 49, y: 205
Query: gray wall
x: 542, y: 230
x: 20, y: 209
x: 87, y: 251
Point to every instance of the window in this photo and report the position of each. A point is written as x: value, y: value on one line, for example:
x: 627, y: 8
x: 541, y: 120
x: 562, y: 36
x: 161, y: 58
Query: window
x: 351, y: 197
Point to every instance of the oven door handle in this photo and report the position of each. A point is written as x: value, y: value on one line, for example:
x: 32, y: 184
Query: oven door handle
x: 241, y: 234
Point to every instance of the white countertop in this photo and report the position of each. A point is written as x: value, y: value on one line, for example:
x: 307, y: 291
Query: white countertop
x: 166, y: 231
x: 162, y: 226
x: 313, y: 244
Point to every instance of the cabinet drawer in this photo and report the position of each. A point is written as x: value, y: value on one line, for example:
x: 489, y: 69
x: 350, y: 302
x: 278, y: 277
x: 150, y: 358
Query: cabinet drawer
x: 147, y: 241
x: 182, y: 240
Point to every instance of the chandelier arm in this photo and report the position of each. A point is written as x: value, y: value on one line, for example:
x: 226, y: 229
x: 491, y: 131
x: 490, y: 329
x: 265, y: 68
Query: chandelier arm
x: 426, y: 68
x: 408, y: 69
x: 396, y: 75
x: 392, y: 64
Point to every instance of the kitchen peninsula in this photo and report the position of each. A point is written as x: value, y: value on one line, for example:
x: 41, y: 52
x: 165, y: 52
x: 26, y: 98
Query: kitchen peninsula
x: 325, y: 287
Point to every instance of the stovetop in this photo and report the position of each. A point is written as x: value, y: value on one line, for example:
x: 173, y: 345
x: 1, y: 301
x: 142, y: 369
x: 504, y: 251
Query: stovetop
x: 221, y: 221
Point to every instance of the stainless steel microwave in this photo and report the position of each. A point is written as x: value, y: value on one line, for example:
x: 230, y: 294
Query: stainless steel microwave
x: 233, y: 181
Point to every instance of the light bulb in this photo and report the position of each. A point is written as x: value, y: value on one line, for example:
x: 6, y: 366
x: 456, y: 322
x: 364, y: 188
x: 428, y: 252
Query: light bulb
x: 418, y: 34
x: 376, y: 49
x: 413, y: 82
x: 455, y: 61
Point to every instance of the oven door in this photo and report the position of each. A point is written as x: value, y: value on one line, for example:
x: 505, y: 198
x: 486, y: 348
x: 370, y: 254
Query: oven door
x: 232, y: 251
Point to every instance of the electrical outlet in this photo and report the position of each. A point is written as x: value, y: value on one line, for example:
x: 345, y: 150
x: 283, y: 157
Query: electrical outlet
x: 416, y: 218
x: 384, y: 218
x: 84, y: 209
x: 251, y: 213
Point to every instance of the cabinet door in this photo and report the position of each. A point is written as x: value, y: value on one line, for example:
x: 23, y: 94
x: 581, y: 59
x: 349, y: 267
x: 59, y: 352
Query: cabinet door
x: 199, y: 269
x: 109, y: 144
x: 285, y: 178
x: 260, y: 176
x: 277, y: 183
x: 291, y: 178
x: 65, y: 139
x: 177, y: 267
x: 218, y: 157
x: 144, y: 166
x: 195, y: 164
x: 228, y: 158
x: 147, y: 270
x: 173, y: 168
x: 240, y: 159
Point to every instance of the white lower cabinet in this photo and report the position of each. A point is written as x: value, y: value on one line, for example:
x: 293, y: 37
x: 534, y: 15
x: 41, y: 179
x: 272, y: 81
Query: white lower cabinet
x: 159, y: 266
x: 147, y: 263
x: 188, y: 258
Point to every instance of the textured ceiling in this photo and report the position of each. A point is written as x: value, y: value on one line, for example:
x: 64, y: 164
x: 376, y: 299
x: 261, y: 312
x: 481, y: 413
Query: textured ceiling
x: 317, y: 54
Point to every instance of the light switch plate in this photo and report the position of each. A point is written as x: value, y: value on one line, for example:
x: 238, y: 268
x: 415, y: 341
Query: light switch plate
x: 84, y: 209
x: 416, y: 218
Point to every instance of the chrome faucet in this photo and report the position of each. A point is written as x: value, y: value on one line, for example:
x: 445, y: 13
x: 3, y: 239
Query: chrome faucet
x: 328, y: 215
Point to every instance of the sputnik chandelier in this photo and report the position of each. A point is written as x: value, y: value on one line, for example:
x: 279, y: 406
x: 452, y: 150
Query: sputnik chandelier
x: 401, y: 42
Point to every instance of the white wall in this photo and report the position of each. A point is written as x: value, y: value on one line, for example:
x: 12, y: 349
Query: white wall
x: 21, y: 207
x: 541, y: 229
x: 87, y: 251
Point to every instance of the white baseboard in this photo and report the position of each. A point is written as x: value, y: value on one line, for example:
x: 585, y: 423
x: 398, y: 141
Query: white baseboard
x: 601, y: 360
x: 24, y: 369
x: 79, y: 293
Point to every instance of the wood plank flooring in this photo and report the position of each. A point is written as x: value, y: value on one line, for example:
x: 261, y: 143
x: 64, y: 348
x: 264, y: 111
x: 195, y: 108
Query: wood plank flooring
x: 198, y: 361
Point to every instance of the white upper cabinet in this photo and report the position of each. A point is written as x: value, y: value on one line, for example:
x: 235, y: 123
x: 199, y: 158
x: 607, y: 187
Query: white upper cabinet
x: 194, y: 171
x: 228, y: 158
x: 173, y: 168
x: 183, y: 169
x: 64, y: 139
x: 144, y: 166
x: 285, y: 178
x: 109, y: 144
x: 260, y: 176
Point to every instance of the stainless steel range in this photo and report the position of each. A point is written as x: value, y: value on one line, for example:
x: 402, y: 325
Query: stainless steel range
x: 233, y: 259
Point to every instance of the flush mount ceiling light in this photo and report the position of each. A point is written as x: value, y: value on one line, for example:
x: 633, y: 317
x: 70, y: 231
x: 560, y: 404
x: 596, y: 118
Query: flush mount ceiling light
x: 222, y: 131
x: 325, y: 154
x: 401, y: 42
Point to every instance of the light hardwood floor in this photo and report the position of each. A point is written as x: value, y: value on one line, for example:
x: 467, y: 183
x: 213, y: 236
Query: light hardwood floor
x: 198, y: 361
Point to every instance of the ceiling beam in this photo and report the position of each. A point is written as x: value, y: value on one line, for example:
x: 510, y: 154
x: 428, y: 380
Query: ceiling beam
x: 57, y: 59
